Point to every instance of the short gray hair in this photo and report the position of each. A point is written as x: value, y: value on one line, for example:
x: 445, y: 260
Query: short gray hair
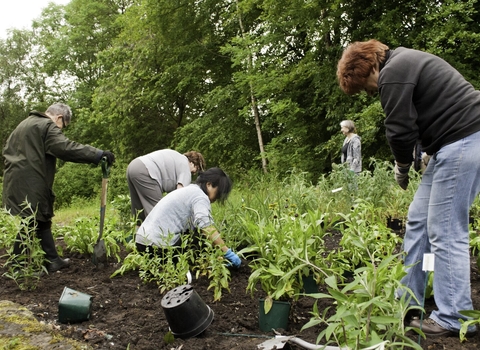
x: 350, y: 125
x: 61, y: 109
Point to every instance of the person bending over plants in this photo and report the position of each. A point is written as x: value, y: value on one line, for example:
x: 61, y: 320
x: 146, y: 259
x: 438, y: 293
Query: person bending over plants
x: 185, y: 211
x: 152, y: 174
x: 425, y: 99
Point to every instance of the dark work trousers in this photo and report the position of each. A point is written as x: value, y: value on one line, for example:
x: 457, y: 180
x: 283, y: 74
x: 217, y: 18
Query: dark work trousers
x: 44, y: 232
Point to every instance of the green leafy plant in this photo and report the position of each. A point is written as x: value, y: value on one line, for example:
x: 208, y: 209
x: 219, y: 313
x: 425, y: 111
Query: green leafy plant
x: 82, y: 236
x: 475, y: 320
x: 168, y: 268
x: 209, y: 262
x: 364, y: 235
x: 274, y: 247
x: 366, y: 311
x: 9, y: 225
x: 27, y: 267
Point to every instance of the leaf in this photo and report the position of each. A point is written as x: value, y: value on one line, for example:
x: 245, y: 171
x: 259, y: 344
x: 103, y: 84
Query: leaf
x: 267, y: 304
x: 169, y: 338
x: 385, y: 319
x: 470, y: 313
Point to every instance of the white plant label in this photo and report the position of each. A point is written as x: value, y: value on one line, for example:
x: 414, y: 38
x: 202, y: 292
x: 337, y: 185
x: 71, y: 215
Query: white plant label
x: 428, y: 262
x: 337, y: 189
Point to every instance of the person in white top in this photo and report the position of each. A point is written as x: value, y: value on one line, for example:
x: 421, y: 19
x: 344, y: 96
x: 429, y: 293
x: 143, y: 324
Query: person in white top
x: 187, y: 210
x: 150, y: 175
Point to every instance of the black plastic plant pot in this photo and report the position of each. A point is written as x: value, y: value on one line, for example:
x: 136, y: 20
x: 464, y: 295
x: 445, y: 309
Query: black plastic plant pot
x: 186, y: 313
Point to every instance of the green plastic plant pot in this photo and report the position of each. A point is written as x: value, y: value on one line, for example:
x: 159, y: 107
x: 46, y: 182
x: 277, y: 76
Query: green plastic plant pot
x: 186, y: 313
x: 309, y: 285
x: 74, y: 306
x: 276, y: 318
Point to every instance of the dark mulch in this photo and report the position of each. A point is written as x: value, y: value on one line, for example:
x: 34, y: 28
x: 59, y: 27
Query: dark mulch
x: 128, y: 313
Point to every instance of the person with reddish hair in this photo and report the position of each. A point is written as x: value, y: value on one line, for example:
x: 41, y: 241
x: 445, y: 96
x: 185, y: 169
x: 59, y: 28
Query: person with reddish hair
x: 358, y: 62
x: 426, y: 100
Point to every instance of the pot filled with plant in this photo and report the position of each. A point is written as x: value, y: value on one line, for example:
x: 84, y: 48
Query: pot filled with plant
x: 279, y: 267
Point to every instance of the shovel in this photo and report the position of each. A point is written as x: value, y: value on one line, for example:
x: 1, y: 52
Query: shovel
x: 99, y: 251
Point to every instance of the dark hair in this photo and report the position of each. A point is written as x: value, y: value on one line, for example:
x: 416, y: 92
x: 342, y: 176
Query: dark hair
x: 357, y: 63
x: 218, y: 179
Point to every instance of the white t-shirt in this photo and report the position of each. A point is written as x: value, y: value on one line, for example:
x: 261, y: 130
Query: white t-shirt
x: 169, y: 168
x: 184, y: 209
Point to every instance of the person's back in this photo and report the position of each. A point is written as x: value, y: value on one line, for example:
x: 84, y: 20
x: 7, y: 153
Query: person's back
x: 184, y: 209
x: 431, y: 97
x: 168, y: 167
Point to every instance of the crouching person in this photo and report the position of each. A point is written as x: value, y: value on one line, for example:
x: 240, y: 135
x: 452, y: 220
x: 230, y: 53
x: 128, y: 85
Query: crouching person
x: 186, y: 210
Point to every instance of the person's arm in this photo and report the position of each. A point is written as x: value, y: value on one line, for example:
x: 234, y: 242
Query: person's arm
x: 213, y: 235
x: 356, y: 153
x: 59, y: 146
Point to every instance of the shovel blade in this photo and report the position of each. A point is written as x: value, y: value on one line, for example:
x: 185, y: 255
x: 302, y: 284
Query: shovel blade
x: 276, y: 343
x: 99, y: 253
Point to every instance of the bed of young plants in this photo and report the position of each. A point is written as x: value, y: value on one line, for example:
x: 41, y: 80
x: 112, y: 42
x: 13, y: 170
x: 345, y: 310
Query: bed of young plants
x: 284, y: 229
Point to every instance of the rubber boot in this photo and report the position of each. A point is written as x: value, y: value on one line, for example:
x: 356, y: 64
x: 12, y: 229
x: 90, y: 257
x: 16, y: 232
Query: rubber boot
x: 54, y: 263
x: 18, y: 250
x: 19, y: 264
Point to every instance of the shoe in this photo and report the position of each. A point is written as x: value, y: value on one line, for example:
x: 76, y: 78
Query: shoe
x: 432, y: 329
x: 411, y: 315
x: 57, y: 264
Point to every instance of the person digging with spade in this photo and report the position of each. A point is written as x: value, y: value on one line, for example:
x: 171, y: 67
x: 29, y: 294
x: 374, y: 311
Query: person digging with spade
x: 30, y: 155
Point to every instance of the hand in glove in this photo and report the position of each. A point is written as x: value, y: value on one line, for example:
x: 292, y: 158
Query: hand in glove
x: 425, y: 158
x: 401, y: 175
x: 110, y: 157
x: 233, y: 259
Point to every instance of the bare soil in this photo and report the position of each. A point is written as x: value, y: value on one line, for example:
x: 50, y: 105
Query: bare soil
x: 127, y: 314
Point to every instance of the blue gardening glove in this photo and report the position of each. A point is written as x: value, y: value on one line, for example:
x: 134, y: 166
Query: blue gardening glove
x: 233, y: 259
x: 401, y: 175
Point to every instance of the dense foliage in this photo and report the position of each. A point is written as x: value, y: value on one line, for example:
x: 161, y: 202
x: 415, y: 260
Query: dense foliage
x: 249, y: 83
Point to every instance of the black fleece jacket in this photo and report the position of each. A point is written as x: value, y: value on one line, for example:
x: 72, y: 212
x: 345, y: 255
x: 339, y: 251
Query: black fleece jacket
x: 425, y: 99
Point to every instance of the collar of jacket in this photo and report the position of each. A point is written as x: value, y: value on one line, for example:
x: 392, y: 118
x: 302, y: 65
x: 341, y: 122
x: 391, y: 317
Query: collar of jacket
x: 38, y: 114
x: 387, y: 56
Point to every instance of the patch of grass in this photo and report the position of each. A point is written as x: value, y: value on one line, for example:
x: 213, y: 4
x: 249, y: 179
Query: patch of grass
x: 79, y: 208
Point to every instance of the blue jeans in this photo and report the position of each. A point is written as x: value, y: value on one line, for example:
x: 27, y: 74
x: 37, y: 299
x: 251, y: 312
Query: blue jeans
x: 438, y: 223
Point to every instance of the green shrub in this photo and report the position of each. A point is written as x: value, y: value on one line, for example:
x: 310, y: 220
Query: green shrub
x: 84, y: 181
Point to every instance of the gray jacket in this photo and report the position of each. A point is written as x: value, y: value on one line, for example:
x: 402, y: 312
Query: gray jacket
x: 354, y: 153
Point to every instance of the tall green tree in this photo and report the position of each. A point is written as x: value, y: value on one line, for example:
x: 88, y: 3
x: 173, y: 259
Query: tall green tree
x: 170, y: 59
x: 71, y: 38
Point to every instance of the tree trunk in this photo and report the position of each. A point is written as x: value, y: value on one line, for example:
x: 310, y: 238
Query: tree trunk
x: 253, y: 99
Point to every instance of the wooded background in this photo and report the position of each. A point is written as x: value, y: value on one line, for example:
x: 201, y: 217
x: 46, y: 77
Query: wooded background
x: 251, y: 84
